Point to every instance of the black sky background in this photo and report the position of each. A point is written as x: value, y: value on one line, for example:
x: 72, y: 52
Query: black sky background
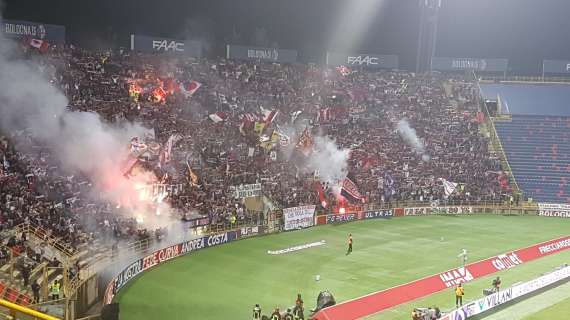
x: 524, y: 31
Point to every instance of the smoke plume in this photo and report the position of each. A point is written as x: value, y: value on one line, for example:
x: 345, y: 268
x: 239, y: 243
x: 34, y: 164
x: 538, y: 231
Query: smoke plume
x: 411, y: 138
x: 330, y: 160
x: 81, y: 142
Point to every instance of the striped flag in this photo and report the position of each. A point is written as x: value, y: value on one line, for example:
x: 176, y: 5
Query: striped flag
x: 167, y: 150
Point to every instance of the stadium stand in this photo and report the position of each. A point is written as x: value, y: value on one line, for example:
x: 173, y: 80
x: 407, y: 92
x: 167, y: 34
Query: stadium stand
x: 51, y: 219
x: 538, y: 148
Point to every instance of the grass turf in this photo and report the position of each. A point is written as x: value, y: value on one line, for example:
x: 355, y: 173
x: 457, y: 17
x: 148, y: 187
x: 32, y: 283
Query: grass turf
x: 225, y: 282
x: 559, y: 311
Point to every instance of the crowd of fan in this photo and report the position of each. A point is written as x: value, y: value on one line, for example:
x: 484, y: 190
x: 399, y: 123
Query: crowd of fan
x: 358, y: 110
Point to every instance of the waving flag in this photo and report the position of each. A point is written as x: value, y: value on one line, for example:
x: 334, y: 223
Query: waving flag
x: 188, y: 89
x: 41, y: 45
x: 320, y: 191
x: 343, y: 70
x: 218, y: 117
x: 306, y: 142
x: 350, y: 191
x: 167, y: 150
x: 448, y: 187
x: 389, y: 185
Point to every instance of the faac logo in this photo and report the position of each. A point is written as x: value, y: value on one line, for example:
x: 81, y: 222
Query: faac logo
x: 506, y: 261
x: 165, y: 45
x: 456, y: 276
x: 360, y: 60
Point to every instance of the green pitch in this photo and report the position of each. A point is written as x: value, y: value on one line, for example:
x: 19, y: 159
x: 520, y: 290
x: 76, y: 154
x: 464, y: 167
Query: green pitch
x: 225, y: 282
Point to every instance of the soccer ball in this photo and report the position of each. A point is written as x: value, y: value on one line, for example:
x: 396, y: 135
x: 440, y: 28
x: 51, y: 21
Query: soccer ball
x: 442, y: 239
x: 317, y: 277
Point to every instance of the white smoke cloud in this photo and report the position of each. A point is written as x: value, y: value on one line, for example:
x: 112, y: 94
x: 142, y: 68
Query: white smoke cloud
x: 80, y: 141
x: 330, y: 160
x: 411, y: 138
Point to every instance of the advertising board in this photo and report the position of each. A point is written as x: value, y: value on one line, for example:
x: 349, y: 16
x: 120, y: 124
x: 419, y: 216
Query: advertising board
x: 261, y: 54
x: 371, y: 61
x: 556, y: 66
x: 150, y: 44
x: 459, y: 64
x: 161, y: 256
x: 32, y: 30
x: 554, y: 210
x: 437, y: 210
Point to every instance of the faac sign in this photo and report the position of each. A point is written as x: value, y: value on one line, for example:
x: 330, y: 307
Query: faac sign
x: 362, y: 60
x: 166, y: 45
x: 556, y: 66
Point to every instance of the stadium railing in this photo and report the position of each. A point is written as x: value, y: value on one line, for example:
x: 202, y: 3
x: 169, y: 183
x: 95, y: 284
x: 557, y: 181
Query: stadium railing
x: 45, y: 236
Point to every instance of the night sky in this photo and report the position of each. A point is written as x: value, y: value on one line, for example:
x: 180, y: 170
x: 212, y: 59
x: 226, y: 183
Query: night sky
x: 524, y: 31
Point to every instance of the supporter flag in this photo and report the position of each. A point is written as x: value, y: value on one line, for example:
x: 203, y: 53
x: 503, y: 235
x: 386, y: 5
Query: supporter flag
x: 41, y: 45
x: 167, y: 150
x: 448, y: 187
x: 295, y: 115
x: 306, y: 142
x: 350, y: 191
x: 218, y: 117
x: 343, y: 70
x: 188, y: 89
x: 324, y: 115
x: 321, y: 193
x: 389, y: 185
x: 270, y: 116
x: 193, y: 177
x: 5, y: 163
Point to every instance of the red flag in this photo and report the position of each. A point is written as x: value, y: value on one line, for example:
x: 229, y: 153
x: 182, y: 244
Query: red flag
x: 41, y: 45
x: 350, y: 190
x: 306, y: 142
x: 188, y: 89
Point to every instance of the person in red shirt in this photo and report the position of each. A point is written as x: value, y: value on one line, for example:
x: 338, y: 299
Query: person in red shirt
x: 349, y: 251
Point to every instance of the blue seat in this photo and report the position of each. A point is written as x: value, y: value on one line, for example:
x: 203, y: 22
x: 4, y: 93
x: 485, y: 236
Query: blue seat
x: 538, y: 151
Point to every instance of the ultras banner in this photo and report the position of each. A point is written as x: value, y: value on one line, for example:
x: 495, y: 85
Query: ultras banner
x: 363, y: 60
x: 26, y: 29
x: 262, y: 54
x: 459, y: 64
x: 150, y: 44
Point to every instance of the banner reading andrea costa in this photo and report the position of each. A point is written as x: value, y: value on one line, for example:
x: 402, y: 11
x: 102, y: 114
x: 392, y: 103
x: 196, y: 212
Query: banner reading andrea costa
x: 262, y: 54
x: 26, y: 29
x: 459, y: 64
x: 163, y: 255
x: 362, y: 60
x: 150, y: 44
